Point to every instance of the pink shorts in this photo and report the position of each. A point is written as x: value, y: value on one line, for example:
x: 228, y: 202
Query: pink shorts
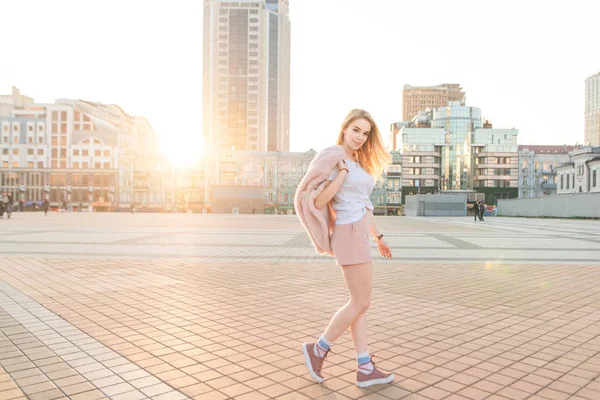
x: 350, y: 242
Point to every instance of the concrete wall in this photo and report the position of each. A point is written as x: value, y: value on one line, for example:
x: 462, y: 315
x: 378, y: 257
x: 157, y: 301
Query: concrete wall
x: 247, y: 199
x: 565, y: 206
x: 436, y: 206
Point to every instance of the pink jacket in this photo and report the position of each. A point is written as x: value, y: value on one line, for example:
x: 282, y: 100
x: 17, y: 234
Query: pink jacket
x: 318, y: 223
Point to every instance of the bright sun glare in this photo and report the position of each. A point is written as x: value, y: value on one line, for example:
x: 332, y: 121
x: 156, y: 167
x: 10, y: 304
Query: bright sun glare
x: 183, y: 153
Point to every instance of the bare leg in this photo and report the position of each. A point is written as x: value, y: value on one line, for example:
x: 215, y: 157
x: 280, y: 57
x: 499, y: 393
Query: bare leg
x: 359, y: 334
x: 358, y: 278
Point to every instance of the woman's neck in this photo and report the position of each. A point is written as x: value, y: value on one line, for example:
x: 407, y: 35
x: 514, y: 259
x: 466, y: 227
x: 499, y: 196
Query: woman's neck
x: 349, y: 152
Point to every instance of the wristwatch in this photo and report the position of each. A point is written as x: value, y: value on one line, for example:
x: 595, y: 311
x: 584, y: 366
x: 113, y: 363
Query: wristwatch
x: 378, y: 238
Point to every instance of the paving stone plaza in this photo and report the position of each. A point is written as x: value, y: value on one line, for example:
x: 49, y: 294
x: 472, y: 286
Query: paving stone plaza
x: 177, y: 306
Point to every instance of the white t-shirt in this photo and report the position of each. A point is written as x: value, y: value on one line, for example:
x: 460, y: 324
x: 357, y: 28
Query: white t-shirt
x: 352, y: 199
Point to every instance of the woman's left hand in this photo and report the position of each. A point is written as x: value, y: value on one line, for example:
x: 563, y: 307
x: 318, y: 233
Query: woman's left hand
x: 384, y: 249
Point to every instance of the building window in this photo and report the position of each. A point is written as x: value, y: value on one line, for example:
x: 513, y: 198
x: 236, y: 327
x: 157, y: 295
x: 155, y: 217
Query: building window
x: 75, y: 165
x: 85, y: 153
x: 30, y: 140
x: 568, y: 181
x: 40, y: 152
x: 560, y: 183
x: 40, y: 139
x: 594, y: 178
x: 76, y: 153
x: 16, y: 152
x: 30, y: 152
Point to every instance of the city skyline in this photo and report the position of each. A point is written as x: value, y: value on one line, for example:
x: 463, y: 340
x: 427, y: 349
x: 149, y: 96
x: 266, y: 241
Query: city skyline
x: 518, y: 72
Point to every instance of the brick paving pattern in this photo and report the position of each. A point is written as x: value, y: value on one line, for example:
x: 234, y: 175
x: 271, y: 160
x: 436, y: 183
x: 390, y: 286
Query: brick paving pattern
x: 164, y: 306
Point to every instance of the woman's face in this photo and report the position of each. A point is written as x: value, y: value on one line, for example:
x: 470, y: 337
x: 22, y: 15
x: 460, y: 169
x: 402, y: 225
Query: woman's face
x: 357, y: 132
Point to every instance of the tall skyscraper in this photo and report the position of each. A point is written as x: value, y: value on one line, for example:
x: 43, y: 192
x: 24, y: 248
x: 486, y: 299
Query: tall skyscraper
x: 592, y: 110
x: 246, y: 75
x: 420, y: 98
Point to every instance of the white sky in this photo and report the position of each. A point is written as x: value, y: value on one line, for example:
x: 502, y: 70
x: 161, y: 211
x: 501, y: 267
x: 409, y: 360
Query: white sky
x: 522, y: 62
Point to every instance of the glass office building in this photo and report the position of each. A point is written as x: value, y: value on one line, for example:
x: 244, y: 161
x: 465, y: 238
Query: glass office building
x: 459, y: 123
x: 453, y: 148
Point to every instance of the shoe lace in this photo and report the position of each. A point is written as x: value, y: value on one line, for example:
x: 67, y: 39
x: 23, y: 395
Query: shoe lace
x: 373, y: 363
x: 322, y: 359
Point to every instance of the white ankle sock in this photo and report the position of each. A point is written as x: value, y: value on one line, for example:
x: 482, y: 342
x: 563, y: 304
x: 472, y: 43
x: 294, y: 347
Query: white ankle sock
x: 364, y: 363
x: 322, y: 346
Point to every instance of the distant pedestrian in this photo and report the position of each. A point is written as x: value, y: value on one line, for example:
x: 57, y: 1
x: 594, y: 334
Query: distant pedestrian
x: 476, y: 210
x: 45, y: 206
x: 9, y: 197
x: 21, y: 206
x: 132, y: 206
x: 4, y: 202
x: 481, y: 210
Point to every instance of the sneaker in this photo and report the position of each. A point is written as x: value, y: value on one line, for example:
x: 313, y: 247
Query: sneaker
x: 313, y: 363
x: 374, y: 378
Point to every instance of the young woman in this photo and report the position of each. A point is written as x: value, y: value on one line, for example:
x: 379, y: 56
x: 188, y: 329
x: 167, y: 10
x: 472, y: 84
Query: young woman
x: 348, y: 188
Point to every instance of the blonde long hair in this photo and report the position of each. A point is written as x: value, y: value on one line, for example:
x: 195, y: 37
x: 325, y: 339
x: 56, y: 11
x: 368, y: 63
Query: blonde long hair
x: 372, y: 155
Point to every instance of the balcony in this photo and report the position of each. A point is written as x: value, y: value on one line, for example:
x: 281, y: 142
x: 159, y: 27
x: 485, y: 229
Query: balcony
x: 549, y: 185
